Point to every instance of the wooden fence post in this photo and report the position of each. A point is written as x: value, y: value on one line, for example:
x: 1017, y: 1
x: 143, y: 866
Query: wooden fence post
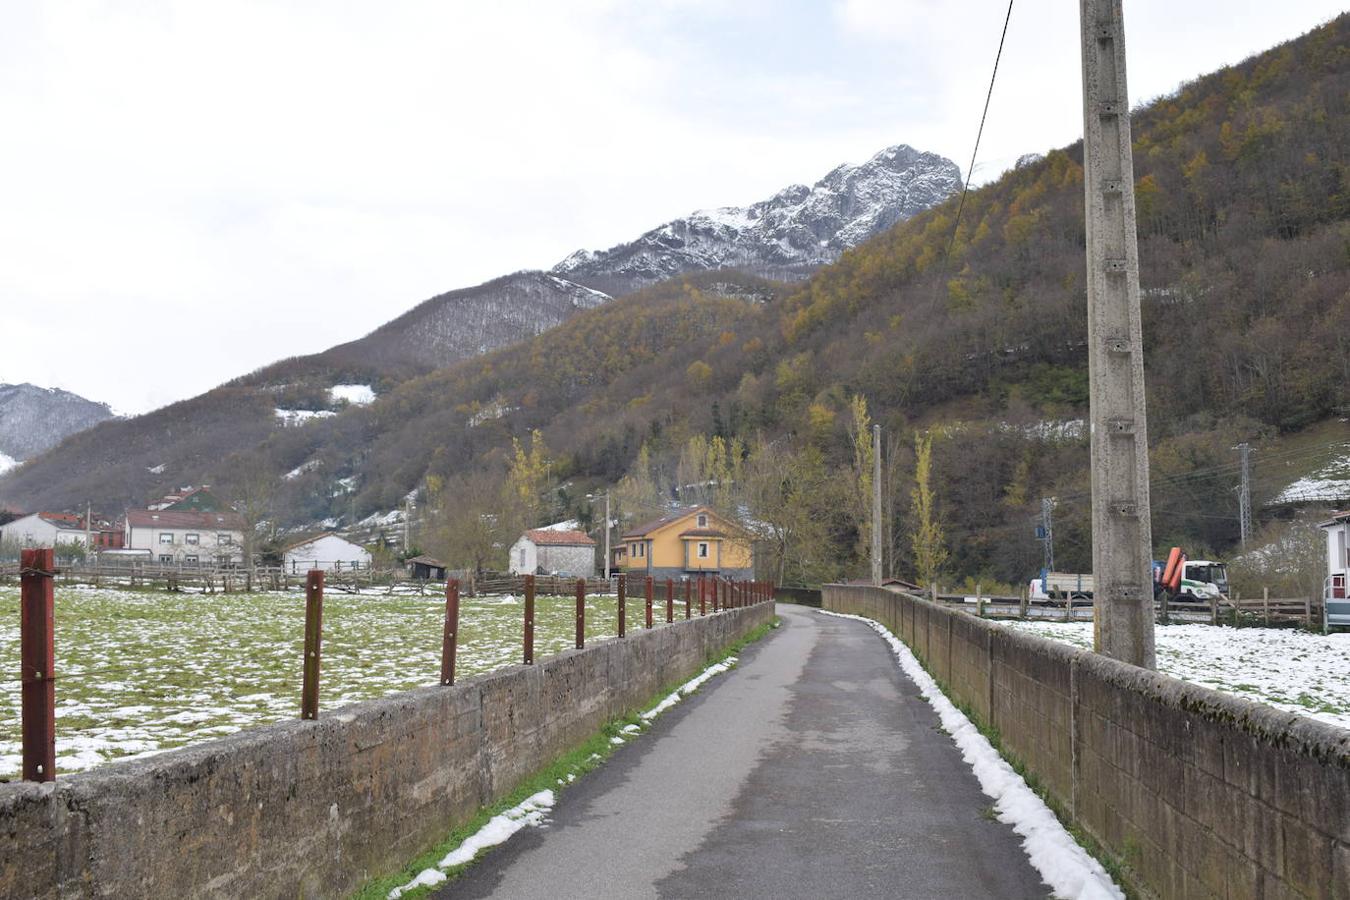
x: 581, y: 613
x: 309, y: 692
x: 1265, y: 604
x: 1023, y: 606
x: 979, y: 600
x: 670, y: 600
x: 623, y: 590
x: 37, y: 653
x: 649, y: 586
x: 529, y: 620
x: 1307, y: 612
x: 932, y: 592
x: 702, y: 596
x: 1214, y: 610
x: 688, y: 598
x: 450, y: 635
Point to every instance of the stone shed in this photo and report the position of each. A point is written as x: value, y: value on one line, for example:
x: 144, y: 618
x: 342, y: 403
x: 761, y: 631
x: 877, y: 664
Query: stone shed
x: 545, y: 551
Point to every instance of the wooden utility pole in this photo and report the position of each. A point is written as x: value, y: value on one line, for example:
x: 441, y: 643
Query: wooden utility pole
x: 876, y: 505
x: 1122, y: 541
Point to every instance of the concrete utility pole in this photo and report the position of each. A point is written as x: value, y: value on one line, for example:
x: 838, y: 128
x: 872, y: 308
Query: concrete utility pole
x: 1048, y: 531
x: 1122, y: 540
x: 1245, y: 492
x: 876, y: 505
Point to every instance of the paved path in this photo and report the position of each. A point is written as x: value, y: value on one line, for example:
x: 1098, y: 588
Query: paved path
x: 813, y: 769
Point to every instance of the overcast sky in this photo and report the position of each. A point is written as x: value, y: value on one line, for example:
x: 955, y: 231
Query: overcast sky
x: 191, y: 190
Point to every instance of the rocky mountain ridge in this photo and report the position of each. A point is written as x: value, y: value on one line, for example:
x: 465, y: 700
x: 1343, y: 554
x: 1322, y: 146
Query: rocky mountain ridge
x: 33, y: 419
x: 786, y: 236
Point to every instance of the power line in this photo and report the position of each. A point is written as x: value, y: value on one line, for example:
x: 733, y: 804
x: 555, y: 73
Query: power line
x: 965, y: 187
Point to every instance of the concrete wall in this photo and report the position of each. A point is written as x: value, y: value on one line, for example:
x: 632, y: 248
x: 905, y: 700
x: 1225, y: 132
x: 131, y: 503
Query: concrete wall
x: 314, y: 809
x: 1196, y: 793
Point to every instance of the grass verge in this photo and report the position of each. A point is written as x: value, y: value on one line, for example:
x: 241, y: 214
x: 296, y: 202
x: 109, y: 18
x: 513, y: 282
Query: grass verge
x: 587, y: 757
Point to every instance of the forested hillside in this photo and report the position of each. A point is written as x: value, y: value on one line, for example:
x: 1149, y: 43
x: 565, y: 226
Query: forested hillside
x: 1245, y: 250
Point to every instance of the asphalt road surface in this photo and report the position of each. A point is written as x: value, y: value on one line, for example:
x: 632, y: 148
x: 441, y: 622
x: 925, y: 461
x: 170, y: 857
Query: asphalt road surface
x: 813, y: 769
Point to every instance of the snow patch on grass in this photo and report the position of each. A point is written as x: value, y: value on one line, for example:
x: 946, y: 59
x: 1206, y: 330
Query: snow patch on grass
x: 1292, y: 670
x: 1069, y: 870
x: 355, y: 394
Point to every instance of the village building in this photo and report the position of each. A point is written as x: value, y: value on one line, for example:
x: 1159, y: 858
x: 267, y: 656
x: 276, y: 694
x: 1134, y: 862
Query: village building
x: 549, y: 551
x: 45, y: 529
x: 1336, y: 586
x: 189, y: 499
x: 686, y: 543
x: 181, y: 538
x: 327, y: 551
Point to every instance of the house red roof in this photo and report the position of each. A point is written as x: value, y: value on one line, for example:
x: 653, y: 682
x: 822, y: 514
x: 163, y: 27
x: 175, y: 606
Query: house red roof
x: 163, y: 518
x: 545, y: 537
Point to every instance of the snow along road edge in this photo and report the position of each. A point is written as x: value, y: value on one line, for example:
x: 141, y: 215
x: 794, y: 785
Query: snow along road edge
x: 1070, y: 871
x: 534, y: 810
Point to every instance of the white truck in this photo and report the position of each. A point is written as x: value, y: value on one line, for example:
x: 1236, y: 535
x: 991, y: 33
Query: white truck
x: 1201, y: 581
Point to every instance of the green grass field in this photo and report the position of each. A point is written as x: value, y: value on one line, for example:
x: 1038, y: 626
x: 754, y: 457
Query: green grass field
x: 140, y: 672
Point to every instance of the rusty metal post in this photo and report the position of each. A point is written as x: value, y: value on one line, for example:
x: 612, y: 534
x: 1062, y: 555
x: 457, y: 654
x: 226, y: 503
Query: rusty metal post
x: 529, y: 620
x: 650, y: 586
x: 702, y: 596
x: 688, y: 598
x: 451, y: 633
x: 309, y: 692
x: 670, y: 600
x: 37, y: 654
x: 581, y: 613
x: 623, y: 591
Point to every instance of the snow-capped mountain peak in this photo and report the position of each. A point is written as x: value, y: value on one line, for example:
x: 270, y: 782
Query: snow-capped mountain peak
x: 785, y: 236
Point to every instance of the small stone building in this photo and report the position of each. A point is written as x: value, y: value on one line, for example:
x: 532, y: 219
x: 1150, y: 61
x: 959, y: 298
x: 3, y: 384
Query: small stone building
x: 545, y: 551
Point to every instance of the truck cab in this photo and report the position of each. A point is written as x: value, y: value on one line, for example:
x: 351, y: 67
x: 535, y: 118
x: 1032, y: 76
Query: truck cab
x: 1203, y: 579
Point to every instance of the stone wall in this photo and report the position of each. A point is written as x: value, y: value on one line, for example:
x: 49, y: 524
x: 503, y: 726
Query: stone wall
x: 1195, y: 793
x: 314, y: 809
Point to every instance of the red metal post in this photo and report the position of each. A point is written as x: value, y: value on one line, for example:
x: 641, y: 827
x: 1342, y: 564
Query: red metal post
x: 688, y: 597
x: 651, y: 582
x: 670, y: 600
x: 623, y: 591
x: 309, y: 691
x: 702, y: 596
x: 529, y: 620
x: 449, y: 638
x: 37, y: 655
x: 581, y: 613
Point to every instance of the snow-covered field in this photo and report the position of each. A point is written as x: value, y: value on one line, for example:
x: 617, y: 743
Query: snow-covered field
x: 1293, y: 670
x: 140, y: 672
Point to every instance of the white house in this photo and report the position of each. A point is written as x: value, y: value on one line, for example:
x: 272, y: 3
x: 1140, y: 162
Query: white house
x: 327, y: 551
x: 554, y: 552
x: 181, y: 538
x: 1336, y: 589
x: 43, y: 529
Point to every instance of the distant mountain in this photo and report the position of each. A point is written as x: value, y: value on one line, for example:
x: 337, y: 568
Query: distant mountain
x: 785, y: 237
x: 33, y: 419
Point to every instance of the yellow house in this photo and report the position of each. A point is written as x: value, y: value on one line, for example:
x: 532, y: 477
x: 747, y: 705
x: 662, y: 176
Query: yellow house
x: 688, y: 542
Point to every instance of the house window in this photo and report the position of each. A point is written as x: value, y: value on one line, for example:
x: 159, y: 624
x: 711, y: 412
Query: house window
x: 224, y: 540
x: 702, y: 549
x: 166, y: 559
x: 166, y: 537
x: 190, y: 559
x: 639, y: 550
x: 702, y: 520
x: 522, y: 556
x: 192, y: 539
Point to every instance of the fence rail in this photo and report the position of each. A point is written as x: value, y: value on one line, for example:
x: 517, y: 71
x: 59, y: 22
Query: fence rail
x: 1220, y: 611
x: 38, y: 650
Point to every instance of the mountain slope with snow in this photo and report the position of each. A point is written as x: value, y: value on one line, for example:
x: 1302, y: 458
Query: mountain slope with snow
x: 785, y: 236
x: 33, y: 419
